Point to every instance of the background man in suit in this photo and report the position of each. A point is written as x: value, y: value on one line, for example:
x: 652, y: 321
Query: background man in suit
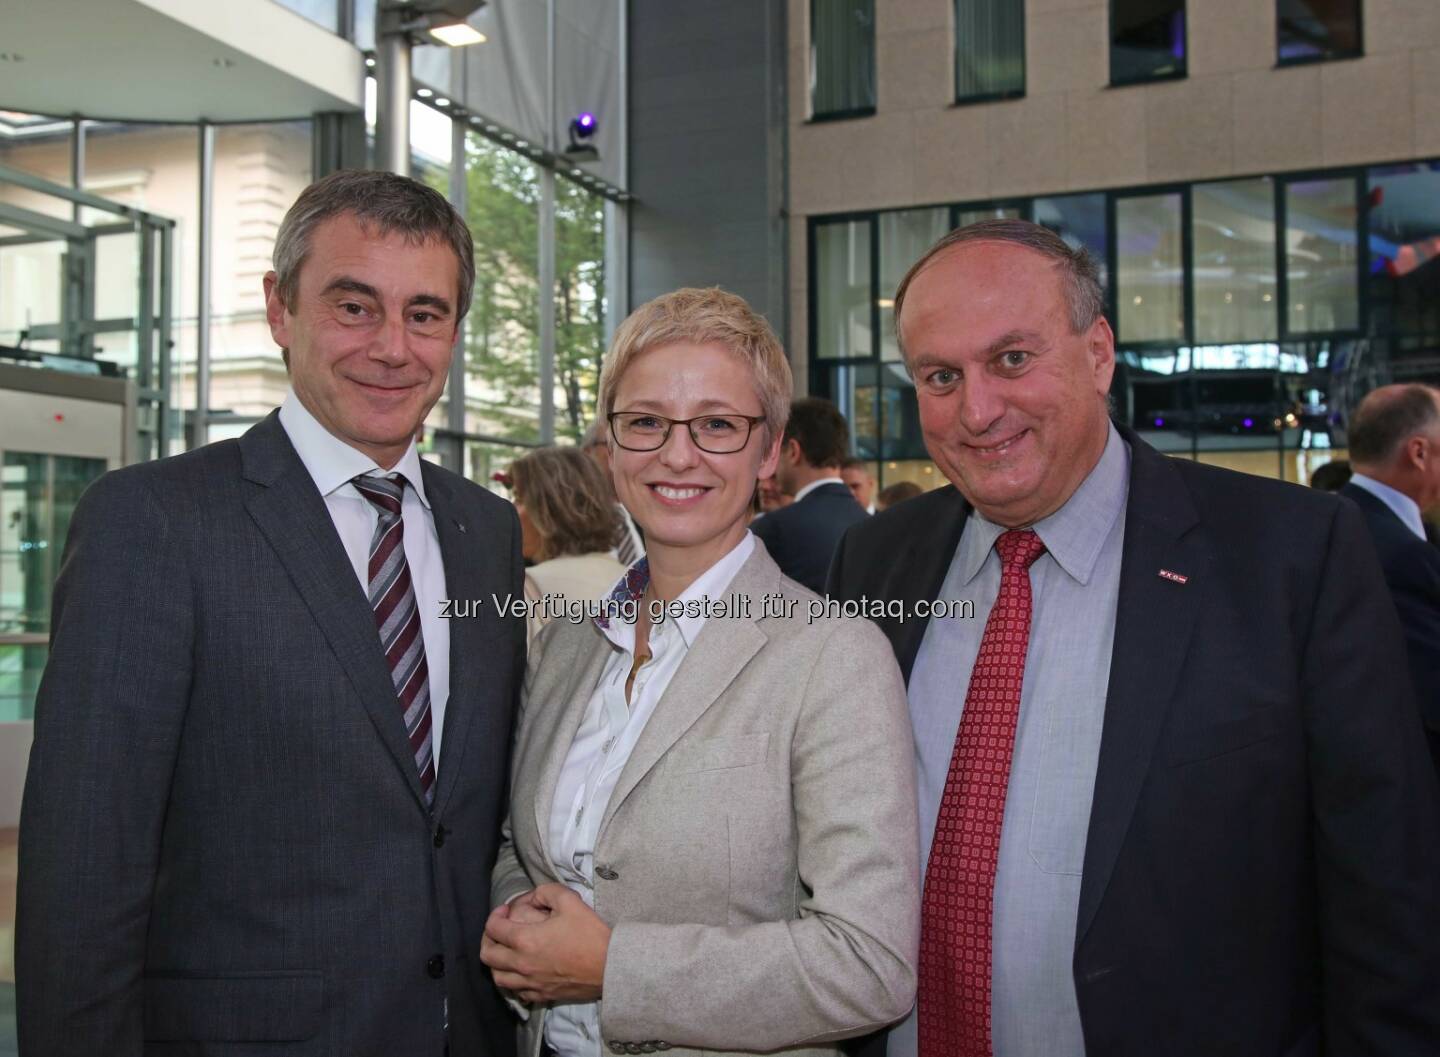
x: 802, y: 536
x: 1183, y: 807
x: 1395, y: 451
x: 856, y: 475
x: 266, y: 788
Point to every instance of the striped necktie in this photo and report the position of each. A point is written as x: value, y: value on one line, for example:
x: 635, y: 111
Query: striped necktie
x: 397, y: 616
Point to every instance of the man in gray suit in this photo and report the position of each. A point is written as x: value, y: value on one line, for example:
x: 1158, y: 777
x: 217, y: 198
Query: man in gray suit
x: 266, y: 788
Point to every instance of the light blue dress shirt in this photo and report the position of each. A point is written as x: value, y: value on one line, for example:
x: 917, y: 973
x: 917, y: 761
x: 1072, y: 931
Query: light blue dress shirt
x: 1405, y: 508
x: 1074, y: 588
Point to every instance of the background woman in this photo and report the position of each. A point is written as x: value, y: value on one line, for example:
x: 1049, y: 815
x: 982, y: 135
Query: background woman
x: 712, y: 841
x: 568, y: 524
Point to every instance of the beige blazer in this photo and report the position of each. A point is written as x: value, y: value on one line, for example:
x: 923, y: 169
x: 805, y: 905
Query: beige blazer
x: 759, y: 859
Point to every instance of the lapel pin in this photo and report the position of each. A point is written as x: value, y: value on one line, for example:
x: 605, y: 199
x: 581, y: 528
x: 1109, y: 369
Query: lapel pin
x: 1166, y: 574
x: 459, y: 526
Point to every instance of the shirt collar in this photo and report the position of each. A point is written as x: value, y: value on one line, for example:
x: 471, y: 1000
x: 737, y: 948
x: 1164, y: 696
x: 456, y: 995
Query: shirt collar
x: 1405, y: 508
x: 628, y: 590
x: 331, y: 462
x: 1074, y: 534
x: 817, y: 484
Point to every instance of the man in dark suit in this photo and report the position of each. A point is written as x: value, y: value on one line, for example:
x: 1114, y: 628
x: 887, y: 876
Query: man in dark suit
x: 802, y: 536
x: 1174, y: 798
x: 267, y: 781
x: 1395, y: 451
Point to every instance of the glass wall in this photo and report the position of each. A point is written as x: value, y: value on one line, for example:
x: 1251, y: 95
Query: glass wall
x: 842, y: 58
x: 1233, y: 234
x: 904, y: 238
x: 1243, y: 336
x: 1321, y: 247
x: 1147, y: 40
x: 843, y: 269
x: 989, y: 49
x: 1403, y: 222
x: 580, y: 306
x: 1316, y: 30
x: 1149, y: 269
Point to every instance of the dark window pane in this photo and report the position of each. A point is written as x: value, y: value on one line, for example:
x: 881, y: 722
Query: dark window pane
x: 842, y: 290
x: 852, y: 388
x: 1147, y: 39
x: 1321, y: 267
x: 842, y: 57
x: 1233, y: 232
x: 989, y: 48
x: 1404, y: 285
x: 1080, y: 221
x: 904, y: 238
x: 1317, y: 29
x: 1150, y: 297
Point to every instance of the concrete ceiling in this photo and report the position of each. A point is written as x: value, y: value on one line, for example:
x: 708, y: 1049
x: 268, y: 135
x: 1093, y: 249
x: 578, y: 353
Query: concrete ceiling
x: 173, y: 60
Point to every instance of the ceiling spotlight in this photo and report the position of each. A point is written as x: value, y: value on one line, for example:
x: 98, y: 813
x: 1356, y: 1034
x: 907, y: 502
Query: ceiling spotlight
x: 583, y: 127
x: 370, y: 62
x: 424, y: 93
x: 458, y: 35
x: 442, y: 101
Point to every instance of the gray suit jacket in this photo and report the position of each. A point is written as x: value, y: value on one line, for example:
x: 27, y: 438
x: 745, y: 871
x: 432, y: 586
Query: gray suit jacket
x: 758, y: 859
x: 223, y: 845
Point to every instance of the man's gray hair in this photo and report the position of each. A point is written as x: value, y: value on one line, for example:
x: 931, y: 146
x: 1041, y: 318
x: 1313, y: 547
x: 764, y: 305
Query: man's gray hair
x: 1079, y: 274
x: 389, y: 203
x: 1387, y: 418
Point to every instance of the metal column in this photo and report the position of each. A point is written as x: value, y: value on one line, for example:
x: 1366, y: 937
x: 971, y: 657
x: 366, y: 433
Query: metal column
x: 392, y: 94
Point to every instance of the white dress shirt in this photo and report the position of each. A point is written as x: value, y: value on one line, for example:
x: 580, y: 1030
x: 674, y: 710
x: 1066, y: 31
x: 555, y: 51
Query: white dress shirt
x: 332, y: 463
x: 817, y: 484
x: 602, y: 745
x: 1405, y: 508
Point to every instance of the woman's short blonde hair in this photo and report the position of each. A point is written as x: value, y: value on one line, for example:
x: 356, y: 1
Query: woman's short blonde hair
x: 703, y: 317
x: 568, y: 501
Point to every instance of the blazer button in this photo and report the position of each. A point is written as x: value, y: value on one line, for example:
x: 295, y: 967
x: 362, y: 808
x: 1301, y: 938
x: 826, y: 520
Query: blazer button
x: 633, y: 1047
x: 606, y: 874
x: 662, y: 1046
x: 440, y: 833
x: 436, y: 967
x: 616, y: 1046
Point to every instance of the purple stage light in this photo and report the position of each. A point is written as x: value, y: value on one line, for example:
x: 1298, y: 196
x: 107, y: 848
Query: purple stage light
x: 1249, y: 422
x: 586, y: 120
x: 1159, y: 422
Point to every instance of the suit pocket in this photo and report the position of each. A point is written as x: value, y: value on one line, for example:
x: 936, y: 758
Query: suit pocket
x: 240, y: 1007
x: 1191, y: 745
x: 718, y: 754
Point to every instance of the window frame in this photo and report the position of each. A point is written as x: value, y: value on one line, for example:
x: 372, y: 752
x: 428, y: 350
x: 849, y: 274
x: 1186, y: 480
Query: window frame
x: 816, y: 117
x: 986, y: 97
x: 1178, y: 75
x: 1311, y: 60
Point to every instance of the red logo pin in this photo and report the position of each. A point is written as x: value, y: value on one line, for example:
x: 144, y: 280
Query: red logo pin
x: 1174, y: 577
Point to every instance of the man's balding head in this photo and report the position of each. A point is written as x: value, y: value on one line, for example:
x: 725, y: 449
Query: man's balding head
x: 1394, y: 438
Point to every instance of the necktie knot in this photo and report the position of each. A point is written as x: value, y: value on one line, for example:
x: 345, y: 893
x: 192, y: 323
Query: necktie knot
x: 386, y: 493
x: 1019, y: 547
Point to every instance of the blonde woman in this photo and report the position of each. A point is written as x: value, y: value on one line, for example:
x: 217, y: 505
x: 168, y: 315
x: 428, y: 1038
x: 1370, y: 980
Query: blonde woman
x: 568, y: 524
x: 712, y: 842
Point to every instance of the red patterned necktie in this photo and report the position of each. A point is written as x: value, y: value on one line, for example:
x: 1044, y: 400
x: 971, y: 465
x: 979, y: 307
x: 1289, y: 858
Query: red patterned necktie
x: 397, y: 616
x: 956, y: 914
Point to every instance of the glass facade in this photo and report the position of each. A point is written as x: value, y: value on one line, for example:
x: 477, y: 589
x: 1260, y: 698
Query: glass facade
x: 844, y: 296
x: 1247, y: 312
x: 1321, y: 247
x: 1147, y: 40
x: 842, y: 58
x: 1316, y: 30
x: 989, y: 49
x: 1149, y: 269
x: 1232, y: 228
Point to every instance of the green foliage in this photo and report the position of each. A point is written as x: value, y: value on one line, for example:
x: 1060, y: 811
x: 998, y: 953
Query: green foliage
x: 502, y: 339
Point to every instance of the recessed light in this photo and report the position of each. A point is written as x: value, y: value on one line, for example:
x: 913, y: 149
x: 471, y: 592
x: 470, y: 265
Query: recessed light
x: 442, y: 101
x: 424, y: 93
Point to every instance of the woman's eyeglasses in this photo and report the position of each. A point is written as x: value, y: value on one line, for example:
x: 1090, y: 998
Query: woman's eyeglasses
x: 716, y: 434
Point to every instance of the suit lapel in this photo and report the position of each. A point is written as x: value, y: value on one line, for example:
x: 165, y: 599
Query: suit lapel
x: 922, y: 577
x: 293, y: 517
x: 470, y: 563
x: 720, y: 652
x: 585, y: 674
x: 1154, y: 618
